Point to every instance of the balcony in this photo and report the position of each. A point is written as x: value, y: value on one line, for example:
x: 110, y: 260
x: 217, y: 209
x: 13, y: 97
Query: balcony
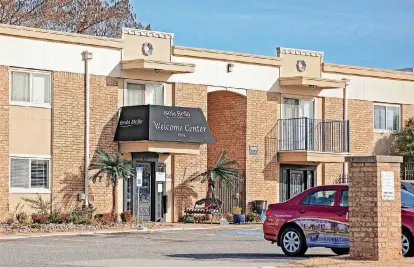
x: 308, y: 140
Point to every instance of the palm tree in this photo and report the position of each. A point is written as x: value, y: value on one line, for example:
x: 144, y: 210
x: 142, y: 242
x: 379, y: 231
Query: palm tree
x: 115, y: 168
x: 223, y: 172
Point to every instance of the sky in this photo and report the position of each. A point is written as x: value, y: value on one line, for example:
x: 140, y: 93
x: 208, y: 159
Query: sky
x: 371, y: 33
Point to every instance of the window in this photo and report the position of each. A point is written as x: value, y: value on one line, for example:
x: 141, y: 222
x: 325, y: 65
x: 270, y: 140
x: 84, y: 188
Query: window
x: 139, y: 94
x: 30, y: 88
x: 29, y: 173
x: 344, y: 198
x: 386, y: 117
x: 320, y: 198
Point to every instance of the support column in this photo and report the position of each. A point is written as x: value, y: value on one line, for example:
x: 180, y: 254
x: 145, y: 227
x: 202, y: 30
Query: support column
x: 375, y: 207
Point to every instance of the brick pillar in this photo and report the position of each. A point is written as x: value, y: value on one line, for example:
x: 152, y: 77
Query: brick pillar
x: 374, y: 214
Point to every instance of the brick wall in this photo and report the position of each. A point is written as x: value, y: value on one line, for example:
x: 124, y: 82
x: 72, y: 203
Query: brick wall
x: 407, y: 112
x: 261, y: 178
x: 4, y: 141
x: 227, y: 121
x: 68, y: 124
x: 361, y: 126
x: 331, y: 172
x: 185, y: 166
x: 103, y: 122
x: 375, y: 224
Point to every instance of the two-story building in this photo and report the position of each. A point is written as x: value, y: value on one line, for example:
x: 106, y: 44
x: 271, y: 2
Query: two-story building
x: 287, y: 119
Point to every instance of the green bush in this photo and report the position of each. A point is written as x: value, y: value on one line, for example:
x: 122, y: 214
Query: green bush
x: 36, y: 226
x: 80, y: 215
x: 188, y: 219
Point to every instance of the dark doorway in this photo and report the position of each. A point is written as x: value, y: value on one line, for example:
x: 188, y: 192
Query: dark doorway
x: 152, y: 194
x: 295, y: 179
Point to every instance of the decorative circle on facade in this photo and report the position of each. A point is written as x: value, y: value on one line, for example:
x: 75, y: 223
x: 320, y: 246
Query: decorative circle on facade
x: 301, y: 65
x: 147, y: 49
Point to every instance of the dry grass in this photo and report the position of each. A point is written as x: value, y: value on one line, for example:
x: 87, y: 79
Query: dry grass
x: 346, y: 261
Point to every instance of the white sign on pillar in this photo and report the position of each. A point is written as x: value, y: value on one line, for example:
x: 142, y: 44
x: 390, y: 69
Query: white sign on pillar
x: 387, y: 185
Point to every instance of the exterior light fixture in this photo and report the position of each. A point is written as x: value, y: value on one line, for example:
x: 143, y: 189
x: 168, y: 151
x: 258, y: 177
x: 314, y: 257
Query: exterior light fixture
x: 312, y: 86
x: 157, y: 71
x: 347, y: 81
x: 230, y: 67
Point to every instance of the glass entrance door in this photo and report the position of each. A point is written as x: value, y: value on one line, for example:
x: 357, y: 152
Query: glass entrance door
x: 295, y: 179
x: 145, y: 192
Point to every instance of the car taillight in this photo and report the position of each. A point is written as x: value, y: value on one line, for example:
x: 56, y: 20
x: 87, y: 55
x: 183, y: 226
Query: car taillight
x: 268, y: 212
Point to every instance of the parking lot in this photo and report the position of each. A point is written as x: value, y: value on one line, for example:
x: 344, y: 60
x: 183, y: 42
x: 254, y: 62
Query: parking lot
x: 223, y: 247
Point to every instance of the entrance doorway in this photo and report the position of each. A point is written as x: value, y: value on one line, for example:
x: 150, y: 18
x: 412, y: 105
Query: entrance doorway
x: 152, y: 194
x: 295, y: 179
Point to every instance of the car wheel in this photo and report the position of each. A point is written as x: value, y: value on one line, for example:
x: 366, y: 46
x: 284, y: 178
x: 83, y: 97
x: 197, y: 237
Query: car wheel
x: 340, y: 251
x: 407, y: 244
x: 293, y: 243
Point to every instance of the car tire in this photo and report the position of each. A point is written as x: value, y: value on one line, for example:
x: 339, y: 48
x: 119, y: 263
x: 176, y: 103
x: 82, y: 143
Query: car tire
x: 340, y: 251
x: 292, y: 242
x: 407, y: 243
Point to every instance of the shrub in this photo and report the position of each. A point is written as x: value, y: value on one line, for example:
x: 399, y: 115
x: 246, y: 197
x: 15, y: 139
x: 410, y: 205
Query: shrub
x: 92, y: 222
x: 64, y: 217
x: 54, y: 217
x: 80, y: 215
x: 127, y: 216
x: 107, y: 218
x: 237, y: 210
x: 42, y: 207
x: 188, y: 219
x: 253, y: 217
x: 229, y: 217
x: 12, y: 216
x: 24, y: 218
x: 40, y: 219
x: 36, y: 226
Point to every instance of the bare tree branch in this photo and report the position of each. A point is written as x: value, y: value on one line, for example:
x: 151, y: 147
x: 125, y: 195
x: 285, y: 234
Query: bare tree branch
x: 93, y: 17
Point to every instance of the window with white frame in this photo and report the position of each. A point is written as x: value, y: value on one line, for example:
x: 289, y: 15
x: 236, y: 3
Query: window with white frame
x: 386, y: 117
x: 30, y: 88
x: 139, y: 94
x: 29, y: 173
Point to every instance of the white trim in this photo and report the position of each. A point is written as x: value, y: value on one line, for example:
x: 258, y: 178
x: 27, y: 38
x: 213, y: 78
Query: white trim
x: 386, y: 131
x: 34, y: 156
x: 29, y: 191
x: 25, y: 103
x: 287, y: 96
x: 143, y: 82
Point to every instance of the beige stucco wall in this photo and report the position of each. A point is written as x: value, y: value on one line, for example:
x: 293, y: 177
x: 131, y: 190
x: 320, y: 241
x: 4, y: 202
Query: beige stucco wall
x: 133, y: 48
x: 30, y: 130
x: 15, y: 199
x: 288, y: 68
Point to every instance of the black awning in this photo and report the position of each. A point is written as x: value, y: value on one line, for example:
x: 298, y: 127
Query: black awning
x: 163, y: 123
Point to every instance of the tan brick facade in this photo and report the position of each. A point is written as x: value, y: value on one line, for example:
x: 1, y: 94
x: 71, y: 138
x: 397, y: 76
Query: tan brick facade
x: 186, y: 166
x: 68, y: 135
x: 407, y: 112
x: 4, y: 141
x: 375, y: 224
x: 262, y: 114
x: 361, y: 126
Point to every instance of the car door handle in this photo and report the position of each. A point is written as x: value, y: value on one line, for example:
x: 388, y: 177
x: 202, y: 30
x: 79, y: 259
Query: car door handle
x: 301, y: 211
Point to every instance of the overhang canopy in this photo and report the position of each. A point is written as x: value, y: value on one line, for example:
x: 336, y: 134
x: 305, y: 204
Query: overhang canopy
x: 301, y: 81
x: 164, y: 66
x: 163, y: 124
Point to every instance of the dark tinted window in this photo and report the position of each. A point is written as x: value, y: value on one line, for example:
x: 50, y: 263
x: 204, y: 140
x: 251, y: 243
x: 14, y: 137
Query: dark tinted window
x: 320, y: 198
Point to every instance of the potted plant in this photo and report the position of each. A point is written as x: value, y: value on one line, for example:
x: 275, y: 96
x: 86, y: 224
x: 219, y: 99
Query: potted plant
x: 238, y: 217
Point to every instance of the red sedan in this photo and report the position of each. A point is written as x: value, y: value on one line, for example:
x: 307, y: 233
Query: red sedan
x: 318, y: 217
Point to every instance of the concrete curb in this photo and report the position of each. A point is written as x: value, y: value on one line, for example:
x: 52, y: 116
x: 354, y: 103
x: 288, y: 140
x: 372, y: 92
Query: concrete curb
x: 18, y: 237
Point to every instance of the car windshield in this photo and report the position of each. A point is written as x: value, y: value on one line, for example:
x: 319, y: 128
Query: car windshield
x: 407, y: 199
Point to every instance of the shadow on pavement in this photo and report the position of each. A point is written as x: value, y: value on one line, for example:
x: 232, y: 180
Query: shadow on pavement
x: 252, y: 256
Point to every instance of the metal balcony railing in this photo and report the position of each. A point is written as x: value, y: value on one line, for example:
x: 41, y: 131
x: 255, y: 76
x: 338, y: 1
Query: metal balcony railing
x: 307, y: 134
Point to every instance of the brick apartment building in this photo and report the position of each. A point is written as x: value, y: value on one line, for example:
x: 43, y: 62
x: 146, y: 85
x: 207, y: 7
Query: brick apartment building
x: 288, y: 119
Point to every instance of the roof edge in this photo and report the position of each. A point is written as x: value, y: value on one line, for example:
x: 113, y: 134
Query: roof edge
x: 62, y: 37
x: 226, y: 56
x: 367, y: 71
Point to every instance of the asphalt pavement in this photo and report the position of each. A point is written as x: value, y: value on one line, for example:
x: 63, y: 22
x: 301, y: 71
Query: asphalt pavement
x: 185, y: 248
